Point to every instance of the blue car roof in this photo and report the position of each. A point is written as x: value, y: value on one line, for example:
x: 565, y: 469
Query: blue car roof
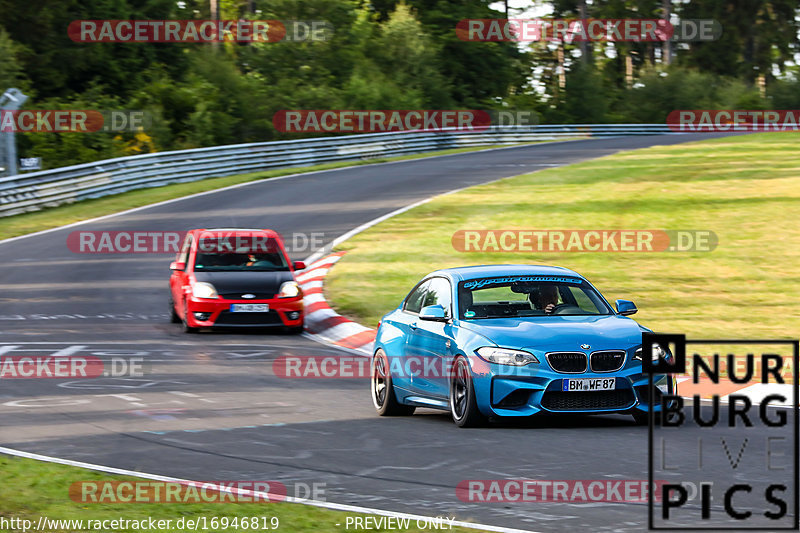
x: 490, y: 271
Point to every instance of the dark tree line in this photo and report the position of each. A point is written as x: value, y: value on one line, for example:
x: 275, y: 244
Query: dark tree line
x: 383, y: 54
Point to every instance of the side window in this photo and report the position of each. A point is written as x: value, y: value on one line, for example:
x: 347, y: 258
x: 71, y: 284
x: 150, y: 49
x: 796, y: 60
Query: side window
x: 183, y: 256
x: 414, y: 301
x: 439, y: 293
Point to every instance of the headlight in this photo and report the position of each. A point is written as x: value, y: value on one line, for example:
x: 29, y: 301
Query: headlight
x: 658, y: 353
x: 504, y: 356
x: 289, y: 289
x: 202, y: 289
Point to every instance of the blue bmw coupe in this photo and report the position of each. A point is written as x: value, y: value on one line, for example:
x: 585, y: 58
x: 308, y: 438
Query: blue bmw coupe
x: 511, y: 341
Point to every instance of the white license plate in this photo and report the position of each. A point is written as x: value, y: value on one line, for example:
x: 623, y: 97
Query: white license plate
x: 591, y: 384
x: 249, y: 308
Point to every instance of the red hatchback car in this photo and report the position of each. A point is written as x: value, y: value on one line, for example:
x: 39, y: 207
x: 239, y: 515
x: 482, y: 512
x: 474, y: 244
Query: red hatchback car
x: 234, y: 277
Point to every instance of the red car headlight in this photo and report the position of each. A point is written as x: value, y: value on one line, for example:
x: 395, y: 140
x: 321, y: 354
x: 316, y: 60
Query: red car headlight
x: 202, y: 289
x: 289, y: 289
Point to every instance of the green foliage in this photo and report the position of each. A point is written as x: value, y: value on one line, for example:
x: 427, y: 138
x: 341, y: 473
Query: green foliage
x: 11, y: 74
x: 585, y: 101
x: 658, y: 92
x: 382, y: 54
x: 204, y: 95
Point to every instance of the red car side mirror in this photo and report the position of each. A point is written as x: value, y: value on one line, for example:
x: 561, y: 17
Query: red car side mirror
x: 176, y: 265
x: 299, y: 265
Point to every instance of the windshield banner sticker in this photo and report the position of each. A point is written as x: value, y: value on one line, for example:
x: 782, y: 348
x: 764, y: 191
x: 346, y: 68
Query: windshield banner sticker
x: 475, y: 284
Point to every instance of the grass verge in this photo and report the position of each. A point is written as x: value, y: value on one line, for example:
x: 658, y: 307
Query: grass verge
x: 745, y: 189
x: 25, y: 223
x: 31, y: 489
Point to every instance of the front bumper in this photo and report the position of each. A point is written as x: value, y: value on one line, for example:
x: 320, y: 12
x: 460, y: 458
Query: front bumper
x: 216, y: 313
x: 503, y: 392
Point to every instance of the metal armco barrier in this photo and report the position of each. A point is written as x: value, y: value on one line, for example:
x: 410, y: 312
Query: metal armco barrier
x: 35, y: 190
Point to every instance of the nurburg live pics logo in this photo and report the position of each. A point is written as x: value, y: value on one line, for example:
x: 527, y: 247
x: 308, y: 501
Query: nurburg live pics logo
x: 745, y: 457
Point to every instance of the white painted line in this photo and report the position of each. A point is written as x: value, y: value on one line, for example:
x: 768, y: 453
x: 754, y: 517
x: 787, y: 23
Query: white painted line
x: 321, y: 339
x: 340, y: 331
x: 69, y: 350
x: 236, y: 186
x: 312, y: 274
x: 262, y: 495
x: 307, y: 300
x: 363, y: 227
x: 7, y: 348
x: 248, y: 183
x: 758, y: 391
x: 320, y: 315
x: 344, y: 330
x: 311, y: 285
x: 325, y: 262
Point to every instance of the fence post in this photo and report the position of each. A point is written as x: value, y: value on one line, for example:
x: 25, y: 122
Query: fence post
x: 11, y: 100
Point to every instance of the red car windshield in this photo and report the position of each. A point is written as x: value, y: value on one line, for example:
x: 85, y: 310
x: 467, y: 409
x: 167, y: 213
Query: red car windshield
x: 260, y: 262
x: 239, y: 253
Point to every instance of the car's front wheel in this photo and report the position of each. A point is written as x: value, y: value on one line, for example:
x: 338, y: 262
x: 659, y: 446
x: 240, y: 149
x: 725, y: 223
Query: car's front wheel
x: 463, y: 406
x: 382, y: 390
x: 186, y: 327
x: 173, y: 315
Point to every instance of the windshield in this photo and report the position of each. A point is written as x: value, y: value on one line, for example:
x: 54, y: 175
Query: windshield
x: 257, y: 262
x: 239, y: 253
x: 527, y: 296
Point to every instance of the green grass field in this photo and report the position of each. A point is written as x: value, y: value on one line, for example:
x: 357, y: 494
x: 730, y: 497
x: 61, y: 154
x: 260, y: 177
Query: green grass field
x: 32, y: 489
x: 745, y: 189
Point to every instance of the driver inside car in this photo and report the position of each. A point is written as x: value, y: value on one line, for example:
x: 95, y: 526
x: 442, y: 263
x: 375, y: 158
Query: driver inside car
x: 546, y: 299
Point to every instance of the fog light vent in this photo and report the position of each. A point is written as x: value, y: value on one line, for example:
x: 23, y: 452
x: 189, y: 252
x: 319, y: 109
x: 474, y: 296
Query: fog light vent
x: 202, y: 316
x: 518, y: 398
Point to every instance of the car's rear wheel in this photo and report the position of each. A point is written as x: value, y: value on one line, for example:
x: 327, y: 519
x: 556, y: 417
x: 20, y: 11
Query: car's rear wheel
x: 382, y: 390
x: 463, y: 406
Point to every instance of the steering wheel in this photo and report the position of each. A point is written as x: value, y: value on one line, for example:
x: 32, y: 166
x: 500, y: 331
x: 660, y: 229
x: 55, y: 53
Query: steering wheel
x: 565, y: 307
x: 555, y: 308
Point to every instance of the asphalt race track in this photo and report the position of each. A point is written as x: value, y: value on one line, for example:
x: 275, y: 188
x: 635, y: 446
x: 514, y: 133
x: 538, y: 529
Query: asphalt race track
x: 208, y: 406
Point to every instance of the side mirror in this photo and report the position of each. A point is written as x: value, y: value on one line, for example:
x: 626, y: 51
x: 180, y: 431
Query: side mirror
x: 177, y: 265
x: 299, y: 265
x: 434, y: 313
x: 626, y: 307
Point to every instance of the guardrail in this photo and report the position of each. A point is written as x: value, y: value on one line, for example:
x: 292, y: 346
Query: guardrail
x: 33, y: 191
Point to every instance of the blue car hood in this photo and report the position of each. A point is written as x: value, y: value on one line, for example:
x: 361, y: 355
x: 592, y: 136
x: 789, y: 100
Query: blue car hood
x: 559, y: 332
